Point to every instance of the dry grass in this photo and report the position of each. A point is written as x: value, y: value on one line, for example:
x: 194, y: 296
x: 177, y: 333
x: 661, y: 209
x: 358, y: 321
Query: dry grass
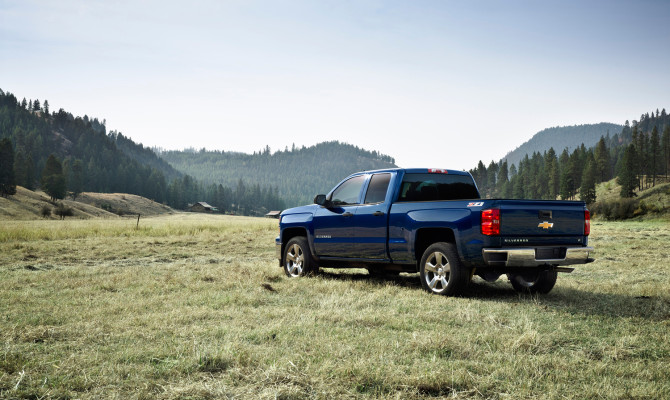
x: 124, y: 204
x: 193, y: 306
x: 26, y: 205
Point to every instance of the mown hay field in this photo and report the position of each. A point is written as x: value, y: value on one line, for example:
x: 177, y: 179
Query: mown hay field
x: 193, y: 306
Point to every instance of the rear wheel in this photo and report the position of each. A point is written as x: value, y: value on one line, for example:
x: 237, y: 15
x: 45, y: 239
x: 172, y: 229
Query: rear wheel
x: 297, y: 258
x: 441, y: 270
x: 533, y: 281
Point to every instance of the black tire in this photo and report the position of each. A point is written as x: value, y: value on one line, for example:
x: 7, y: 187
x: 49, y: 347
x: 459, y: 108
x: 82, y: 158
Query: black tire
x: 298, y: 259
x: 533, y: 281
x: 441, y: 271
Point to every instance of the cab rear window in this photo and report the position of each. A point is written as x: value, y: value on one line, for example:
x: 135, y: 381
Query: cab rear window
x: 436, y: 187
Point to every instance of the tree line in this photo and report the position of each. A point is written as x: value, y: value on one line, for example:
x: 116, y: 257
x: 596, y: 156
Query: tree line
x: 327, y: 163
x: 63, y: 154
x: 561, y: 137
x: 637, y: 157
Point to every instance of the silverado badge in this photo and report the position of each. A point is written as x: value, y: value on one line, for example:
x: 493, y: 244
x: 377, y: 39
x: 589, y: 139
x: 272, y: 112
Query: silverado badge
x: 546, y: 225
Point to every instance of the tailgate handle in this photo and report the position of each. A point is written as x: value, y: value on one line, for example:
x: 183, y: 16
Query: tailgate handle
x: 544, y: 214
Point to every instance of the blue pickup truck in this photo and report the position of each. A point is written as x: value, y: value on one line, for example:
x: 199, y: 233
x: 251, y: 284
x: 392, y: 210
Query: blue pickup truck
x: 433, y: 221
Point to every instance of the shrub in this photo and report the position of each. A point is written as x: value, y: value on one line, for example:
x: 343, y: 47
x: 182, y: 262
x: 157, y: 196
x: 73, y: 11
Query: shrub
x: 63, y: 211
x: 618, y: 209
x: 45, y: 212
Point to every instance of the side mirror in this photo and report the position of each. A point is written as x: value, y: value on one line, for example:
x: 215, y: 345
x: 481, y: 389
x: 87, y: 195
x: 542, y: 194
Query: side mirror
x: 321, y: 200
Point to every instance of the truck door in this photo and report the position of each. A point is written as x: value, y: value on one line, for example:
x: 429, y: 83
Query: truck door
x: 371, y: 220
x: 333, y: 226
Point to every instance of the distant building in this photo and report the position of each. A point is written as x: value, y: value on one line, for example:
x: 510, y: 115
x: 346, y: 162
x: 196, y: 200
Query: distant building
x: 203, y: 207
x: 273, y: 214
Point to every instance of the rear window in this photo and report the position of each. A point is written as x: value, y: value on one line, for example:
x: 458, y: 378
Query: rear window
x: 435, y: 187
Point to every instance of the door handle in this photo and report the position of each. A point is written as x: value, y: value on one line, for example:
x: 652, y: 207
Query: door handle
x: 378, y: 213
x: 347, y: 214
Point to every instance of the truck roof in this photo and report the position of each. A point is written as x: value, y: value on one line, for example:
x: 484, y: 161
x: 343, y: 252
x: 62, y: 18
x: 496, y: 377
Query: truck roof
x: 417, y: 171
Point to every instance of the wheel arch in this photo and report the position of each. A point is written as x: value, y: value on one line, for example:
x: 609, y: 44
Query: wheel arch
x: 427, y: 236
x: 288, y: 234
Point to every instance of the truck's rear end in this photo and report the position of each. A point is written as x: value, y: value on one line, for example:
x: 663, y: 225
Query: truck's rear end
x: 536, y: 233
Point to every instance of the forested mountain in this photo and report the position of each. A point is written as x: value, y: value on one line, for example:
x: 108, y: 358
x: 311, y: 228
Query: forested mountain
x: 63, y: 154
x: 298, y: 173
x: 570, y: 137
x: 638, y: 155
x: 80, y: 148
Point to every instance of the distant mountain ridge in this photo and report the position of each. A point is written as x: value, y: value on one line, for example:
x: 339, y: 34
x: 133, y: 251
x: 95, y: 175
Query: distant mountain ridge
x: 298, y: 173
x: 561, y: 137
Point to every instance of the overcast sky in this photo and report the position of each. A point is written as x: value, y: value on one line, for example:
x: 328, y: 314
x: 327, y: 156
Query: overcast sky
x: 431, y: 83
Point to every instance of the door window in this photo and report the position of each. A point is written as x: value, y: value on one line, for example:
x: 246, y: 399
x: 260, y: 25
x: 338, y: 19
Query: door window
x: 348, y: 192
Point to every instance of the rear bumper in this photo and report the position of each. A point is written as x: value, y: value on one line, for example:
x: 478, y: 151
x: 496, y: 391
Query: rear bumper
x: 536, y: 256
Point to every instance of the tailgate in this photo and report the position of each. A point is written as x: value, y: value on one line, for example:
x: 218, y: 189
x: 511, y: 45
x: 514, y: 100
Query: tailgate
x: 532, y: 218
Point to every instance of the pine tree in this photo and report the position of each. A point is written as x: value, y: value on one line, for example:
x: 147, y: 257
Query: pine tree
x: 567, y: 181
x: 587, y: 191
x: 637, y: 163
x: 553, y: 175
x: 36, y: 105
x: 503, y: 175
x: 665, y: 144
x: 7, y: 178
x: 602, y: 158
x: 76, y: 178
x: 655, y: 156
x: 20, y: 170
x: 627, y: 177
x: 480, y: 177
x: 31, y: 173
x: 492, y: 173
x: 46, y: 107
x: 53, y: 180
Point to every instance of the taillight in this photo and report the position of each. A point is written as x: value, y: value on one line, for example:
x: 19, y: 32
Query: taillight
x: 587, y: 222
x: 491, y: 222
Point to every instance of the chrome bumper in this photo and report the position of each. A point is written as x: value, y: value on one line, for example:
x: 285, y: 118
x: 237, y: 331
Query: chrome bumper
x: 537, y: 256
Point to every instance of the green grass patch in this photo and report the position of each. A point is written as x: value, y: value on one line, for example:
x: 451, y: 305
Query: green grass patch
x: 195, y: 306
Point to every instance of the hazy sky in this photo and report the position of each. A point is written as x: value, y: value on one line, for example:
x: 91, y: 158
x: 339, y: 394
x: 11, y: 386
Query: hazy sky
x: 431, y: 83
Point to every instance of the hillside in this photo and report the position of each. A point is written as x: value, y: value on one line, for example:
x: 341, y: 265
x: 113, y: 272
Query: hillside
x: 94, y: 160
x: 649, y: 203
x: 297, y: 174
x: 36, y: 133
x: 559, y: 138
x: 27, y: 205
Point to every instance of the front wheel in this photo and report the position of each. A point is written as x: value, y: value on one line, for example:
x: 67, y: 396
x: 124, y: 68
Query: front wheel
x: 297, y: 258
x: 441, y: 270
x: 533, y: 281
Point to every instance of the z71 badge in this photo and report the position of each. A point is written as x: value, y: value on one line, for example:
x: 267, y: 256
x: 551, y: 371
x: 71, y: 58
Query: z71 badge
x: 476, y: 204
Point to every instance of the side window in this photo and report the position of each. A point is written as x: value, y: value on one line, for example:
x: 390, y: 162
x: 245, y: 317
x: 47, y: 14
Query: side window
x: 349, y: 191
x: 377, y: 189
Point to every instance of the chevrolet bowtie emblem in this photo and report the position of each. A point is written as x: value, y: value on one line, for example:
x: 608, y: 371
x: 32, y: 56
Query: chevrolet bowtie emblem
x: 546, y: 225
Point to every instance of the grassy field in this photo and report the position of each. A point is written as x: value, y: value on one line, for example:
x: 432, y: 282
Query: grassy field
x: 191, y: 306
